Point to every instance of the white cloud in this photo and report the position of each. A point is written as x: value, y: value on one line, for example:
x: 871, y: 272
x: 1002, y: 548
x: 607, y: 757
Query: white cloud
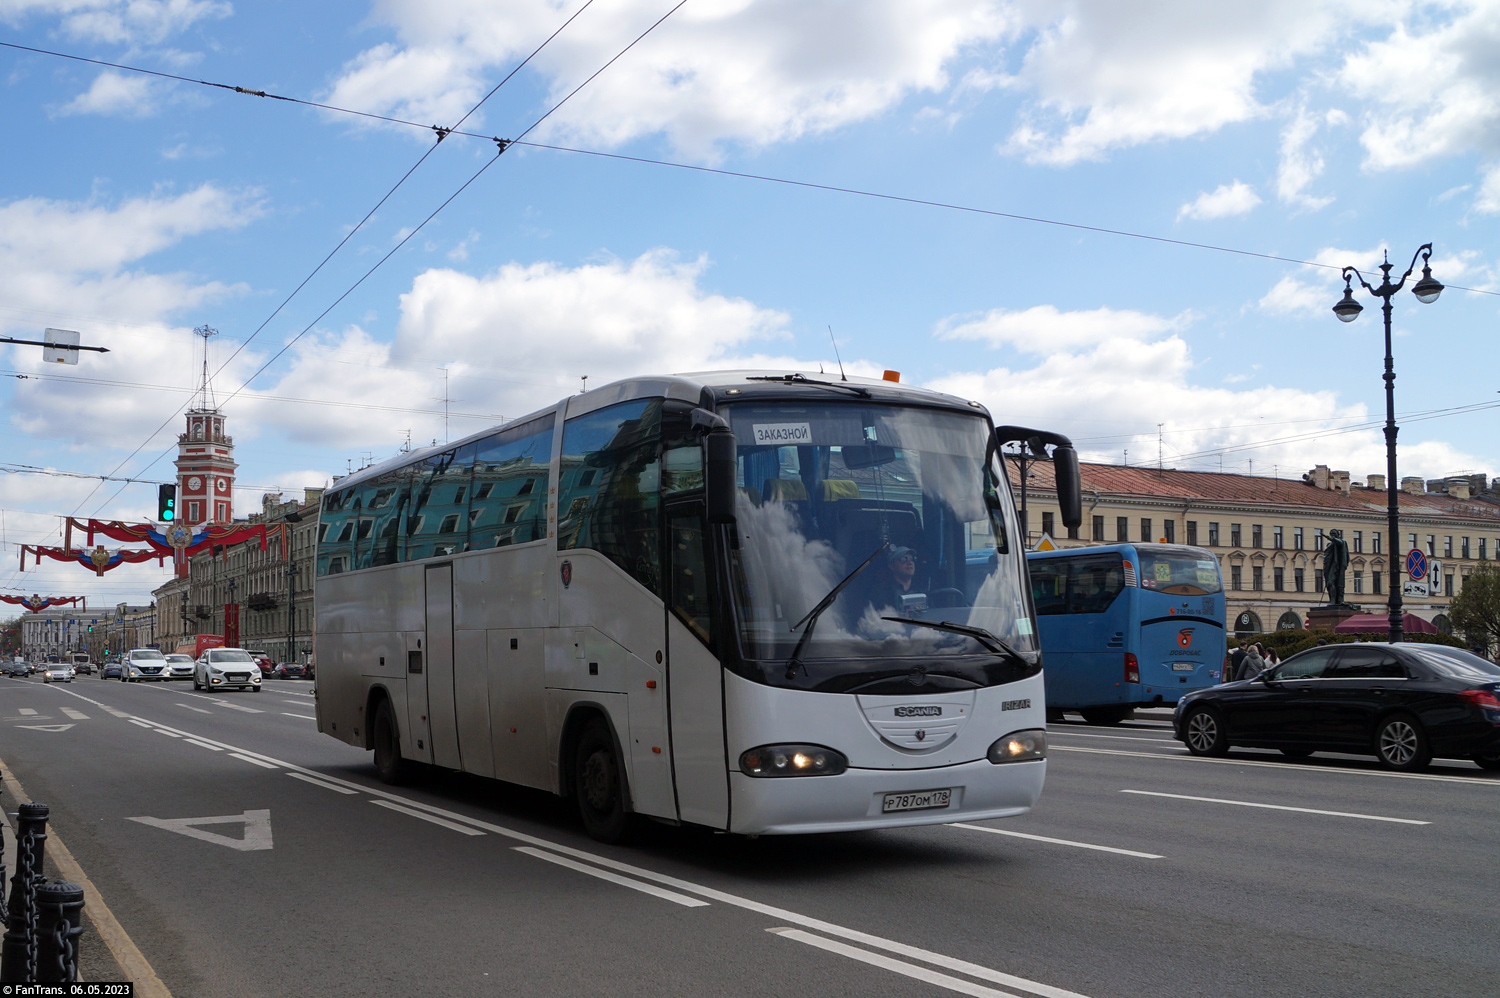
x: 122, y: 22
x: 1488, y: 201
x: 1300, y: 164
x: 1226, y: 201
x: 114, y: 93
x: 716, y: 71
x: 1044, y: 329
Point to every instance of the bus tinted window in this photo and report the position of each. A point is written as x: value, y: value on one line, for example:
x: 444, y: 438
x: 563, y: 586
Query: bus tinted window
x: 1178, y: 572
x: 439, y: 520
x: 336, y: 550
x: 508, y: 504
x: 609, y: 486
x: 1085, y: 584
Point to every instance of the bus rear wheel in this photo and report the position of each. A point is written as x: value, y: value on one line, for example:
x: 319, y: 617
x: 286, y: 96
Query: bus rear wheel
x: 388, y: 761
x: 598, y: 786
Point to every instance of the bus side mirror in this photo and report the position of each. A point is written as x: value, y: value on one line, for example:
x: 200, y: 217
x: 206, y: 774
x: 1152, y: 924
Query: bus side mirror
x: 1069, y: 487
x: 719, y: 471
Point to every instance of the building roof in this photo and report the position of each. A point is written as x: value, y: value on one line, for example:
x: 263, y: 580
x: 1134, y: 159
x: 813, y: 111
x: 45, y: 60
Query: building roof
x: 1123, y: 482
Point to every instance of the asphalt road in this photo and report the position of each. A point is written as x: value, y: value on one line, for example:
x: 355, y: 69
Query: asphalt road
x: 1143, y: 871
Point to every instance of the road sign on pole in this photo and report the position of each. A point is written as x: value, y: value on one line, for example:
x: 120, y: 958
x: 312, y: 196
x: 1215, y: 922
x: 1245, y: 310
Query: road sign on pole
x: 58, y: 341
x: 1416, y: 564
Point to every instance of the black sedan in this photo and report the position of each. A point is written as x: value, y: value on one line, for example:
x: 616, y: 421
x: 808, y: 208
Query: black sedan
x: 1402, y: 703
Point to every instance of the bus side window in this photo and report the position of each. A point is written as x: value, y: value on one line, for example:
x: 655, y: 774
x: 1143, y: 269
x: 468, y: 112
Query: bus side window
x: 690, y: 598
x: 438, y: 523
x: 1049, y: 581
x: 508, y: 504
x: 610, y: 489
x: 1094, y: 583
x: 336, y: 533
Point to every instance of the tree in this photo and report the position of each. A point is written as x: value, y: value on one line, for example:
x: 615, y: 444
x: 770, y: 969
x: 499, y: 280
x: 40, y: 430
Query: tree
x: 1476, y: 609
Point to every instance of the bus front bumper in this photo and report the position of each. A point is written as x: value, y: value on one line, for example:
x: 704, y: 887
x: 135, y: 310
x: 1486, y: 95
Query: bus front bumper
x: 856, y: 799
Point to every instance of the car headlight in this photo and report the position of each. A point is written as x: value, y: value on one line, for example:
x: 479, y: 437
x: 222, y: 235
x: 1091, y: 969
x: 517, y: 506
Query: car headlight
x: 792, y: 760
x: 1019, y: 746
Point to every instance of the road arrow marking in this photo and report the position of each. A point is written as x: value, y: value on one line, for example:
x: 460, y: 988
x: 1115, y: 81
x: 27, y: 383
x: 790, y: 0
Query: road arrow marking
x: 46, y: 727
x: 257, y: 829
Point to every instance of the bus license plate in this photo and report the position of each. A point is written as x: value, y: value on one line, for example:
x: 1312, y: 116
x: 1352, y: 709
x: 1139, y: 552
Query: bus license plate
x: 1183, y: 667
x: 920, y: 801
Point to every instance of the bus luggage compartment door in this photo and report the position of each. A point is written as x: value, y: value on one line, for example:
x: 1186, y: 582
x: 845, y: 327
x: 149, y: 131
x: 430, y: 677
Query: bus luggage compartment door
x: 438, y: 668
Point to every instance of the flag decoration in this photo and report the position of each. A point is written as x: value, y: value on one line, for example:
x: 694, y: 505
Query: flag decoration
x: 99, y: 559
x: 33, y: 603
x: 177, y: 539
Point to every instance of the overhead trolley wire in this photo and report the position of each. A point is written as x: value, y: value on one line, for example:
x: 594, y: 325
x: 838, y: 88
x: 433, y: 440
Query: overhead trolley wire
x: 764, y: 178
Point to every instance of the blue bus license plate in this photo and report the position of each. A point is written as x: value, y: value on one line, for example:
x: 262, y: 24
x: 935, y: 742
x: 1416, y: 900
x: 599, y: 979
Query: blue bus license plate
x: 919, y: 801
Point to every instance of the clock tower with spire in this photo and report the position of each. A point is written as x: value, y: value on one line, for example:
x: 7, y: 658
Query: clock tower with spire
x: 205, y: 458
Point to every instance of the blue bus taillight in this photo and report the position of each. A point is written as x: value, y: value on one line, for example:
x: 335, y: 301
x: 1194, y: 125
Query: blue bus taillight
x: 1132, y: 669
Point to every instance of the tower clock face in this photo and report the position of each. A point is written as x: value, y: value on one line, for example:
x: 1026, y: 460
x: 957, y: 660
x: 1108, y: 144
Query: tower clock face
x: 222, y: 485
x: 194, y: 484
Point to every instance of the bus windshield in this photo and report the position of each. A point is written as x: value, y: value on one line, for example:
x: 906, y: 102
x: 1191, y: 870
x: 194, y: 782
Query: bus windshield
x: 901, y: 505
x: 1178, y: 571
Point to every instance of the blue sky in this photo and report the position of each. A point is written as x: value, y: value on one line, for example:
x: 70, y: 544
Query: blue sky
x: 133, y: 208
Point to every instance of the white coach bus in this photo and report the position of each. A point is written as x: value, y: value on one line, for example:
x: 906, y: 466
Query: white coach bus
x: 765, y: 603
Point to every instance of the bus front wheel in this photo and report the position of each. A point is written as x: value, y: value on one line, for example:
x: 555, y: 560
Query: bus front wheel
x: 598, y: 786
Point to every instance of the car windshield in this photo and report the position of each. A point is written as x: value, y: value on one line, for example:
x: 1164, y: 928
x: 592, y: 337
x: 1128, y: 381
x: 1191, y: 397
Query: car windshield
x: 228, y: 655
x: 180, y: 659
x: 904, y: 505
x: 144, y: 654
x: 1454, y: 662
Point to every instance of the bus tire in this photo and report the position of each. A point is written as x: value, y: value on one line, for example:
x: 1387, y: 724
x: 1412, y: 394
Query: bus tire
x: 387, y: 739
x: 599, y: 785
x: 1203, y: 733
x: 1106, y: 715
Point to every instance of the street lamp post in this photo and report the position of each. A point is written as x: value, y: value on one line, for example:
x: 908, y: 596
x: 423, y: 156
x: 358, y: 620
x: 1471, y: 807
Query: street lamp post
x: 1427, y: 290
x: 291, y: 609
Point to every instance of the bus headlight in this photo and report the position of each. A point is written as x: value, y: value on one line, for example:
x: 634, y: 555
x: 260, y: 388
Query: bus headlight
x: 1020, y: 746
x: 792, y: 760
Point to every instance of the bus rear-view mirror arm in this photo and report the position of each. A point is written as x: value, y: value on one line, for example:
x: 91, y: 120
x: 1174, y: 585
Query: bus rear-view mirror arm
x: 1064, y: 467
x: 719, y: 465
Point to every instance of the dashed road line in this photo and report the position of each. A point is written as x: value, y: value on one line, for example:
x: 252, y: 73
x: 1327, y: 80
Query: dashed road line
x: 1056, y: 842
x: 321, y: 783
x: 614, y: 878
x: 1278, y: 807
x: 1288, y: 766
x: 253, y: 761
x: 464, y: 829
x: 76, y: 715
x: 901, y: 967
x: 304, y: 717
x: 198, y: 709
x: 26, y: 711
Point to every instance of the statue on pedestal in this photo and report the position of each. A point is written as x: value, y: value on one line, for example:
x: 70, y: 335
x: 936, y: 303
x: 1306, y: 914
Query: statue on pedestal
x: 1335, y: 563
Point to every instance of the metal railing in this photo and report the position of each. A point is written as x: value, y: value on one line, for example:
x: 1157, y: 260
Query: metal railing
x: 43, y: 918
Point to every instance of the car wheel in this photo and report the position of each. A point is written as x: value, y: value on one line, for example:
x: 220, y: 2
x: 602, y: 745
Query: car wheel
x: 598, y: 786
x: 1401, y: 744
x: 1490, y: 762
x: 1106, y: 715
x: 1296, y: 753
x: 1203, y: 732
x: 388, y: 761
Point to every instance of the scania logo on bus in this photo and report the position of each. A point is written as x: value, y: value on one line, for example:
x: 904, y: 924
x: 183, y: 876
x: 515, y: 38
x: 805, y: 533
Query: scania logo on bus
x: 567, y: 574
x: 923, y: 711
x: 921, y: 735
x: 1185, y: 637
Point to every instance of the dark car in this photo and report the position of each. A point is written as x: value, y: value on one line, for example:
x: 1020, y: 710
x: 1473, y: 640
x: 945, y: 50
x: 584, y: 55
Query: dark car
x: 1402, y: 703
x: 111, y: 670
x: 290, y: 670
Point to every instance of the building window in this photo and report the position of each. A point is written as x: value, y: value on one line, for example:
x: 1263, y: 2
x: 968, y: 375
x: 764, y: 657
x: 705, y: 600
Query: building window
x: 1276, y: 538
x: 1376, y: 580
x: 1297, y: 538
x: 1170, y: 531
x: 1482, y: 556
x: 1359, y: 581
x: 1192, y: 532
x: 1278, y: 579
x: 1049, y: 523
x: 1317, y: 580
x: 1234, y: 577
x: 1411, y: 542
x: 1255, y: 536
x: 1098, y: 534
x: 1234, y: 535
x: 1375, y: 541
x: 1122, y: 529
x: 193, y: 515
x: 1431, y: 545
x: 1448, y: 546
x: 1448, y: 584
x: 1299, y: 579
x: 1146, y: 529
x: 1359, y: 541
x: 1257, y: 578
x: 1464, y: 547
x: 1213, y: 534
x: 1318, y: 541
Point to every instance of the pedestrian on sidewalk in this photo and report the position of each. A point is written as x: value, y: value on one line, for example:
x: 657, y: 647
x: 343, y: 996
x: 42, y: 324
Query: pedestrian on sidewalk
x: 1252, y: 665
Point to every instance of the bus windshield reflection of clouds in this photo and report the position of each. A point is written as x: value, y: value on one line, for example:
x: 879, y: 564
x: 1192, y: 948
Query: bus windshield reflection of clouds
x: 863, y: 480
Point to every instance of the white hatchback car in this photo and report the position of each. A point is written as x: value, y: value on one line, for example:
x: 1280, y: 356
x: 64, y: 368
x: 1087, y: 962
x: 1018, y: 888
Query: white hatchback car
x: 217, y: 668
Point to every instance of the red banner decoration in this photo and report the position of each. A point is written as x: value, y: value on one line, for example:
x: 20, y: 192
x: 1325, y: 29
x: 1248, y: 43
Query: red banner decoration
x: 98, y: 559
x: 176, y: 539
x: 33, y: 603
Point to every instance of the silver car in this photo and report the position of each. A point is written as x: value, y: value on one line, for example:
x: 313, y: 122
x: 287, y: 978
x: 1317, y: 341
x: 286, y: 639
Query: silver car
x: 57, y: 672
x: 179, y: 667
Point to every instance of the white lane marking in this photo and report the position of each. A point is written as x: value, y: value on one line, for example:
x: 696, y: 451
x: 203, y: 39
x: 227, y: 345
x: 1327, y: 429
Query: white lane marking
x: 303, y: 716
x: 26, y: 711
x: 896, y: 966
x: 145, y: 724
x: 295, y: 703
x: 235, y: 706
x: 1056, y: 842
x: 46, y: 727
x: 257, y: 829
x: 1120, y: 738
x: 465, y: 829
x: 1291, y: 766
x: 1279, y: 807
x: 200, y: 744
x: 321, y: 783
x: 169, y: 734
x: 198, y: 709
x: 779, y: 914
x: 245, y: 758
x: 76, y: 715
x: 614, y: 878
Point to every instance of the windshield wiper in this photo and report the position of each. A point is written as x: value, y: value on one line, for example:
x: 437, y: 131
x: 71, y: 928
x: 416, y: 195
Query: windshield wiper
x: 802, y: 379
x: 811, y: 619
x: 989, y: 639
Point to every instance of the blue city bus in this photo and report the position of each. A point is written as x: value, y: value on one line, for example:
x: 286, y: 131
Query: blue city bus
x: 1127, y: 625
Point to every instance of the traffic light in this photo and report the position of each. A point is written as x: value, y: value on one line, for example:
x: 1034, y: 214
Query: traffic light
x: 91, y: 628
x: 166, y: 503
